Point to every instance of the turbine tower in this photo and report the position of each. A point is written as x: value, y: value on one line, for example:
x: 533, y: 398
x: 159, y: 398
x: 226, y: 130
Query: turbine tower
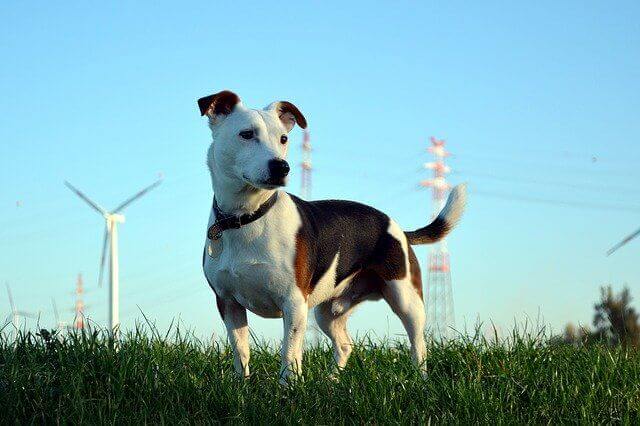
x: 110, y: 240
x: 60, y: 325
x: 439, y: 303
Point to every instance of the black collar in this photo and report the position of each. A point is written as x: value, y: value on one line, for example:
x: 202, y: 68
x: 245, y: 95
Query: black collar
x: 226, y: 221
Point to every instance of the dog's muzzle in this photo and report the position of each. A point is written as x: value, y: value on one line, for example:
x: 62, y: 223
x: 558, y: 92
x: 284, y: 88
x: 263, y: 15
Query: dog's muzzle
x: 278, y: 171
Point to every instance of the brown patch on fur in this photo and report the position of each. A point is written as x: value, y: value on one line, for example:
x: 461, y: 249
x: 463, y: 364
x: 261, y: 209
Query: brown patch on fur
x: 218, y: 103
x: 416, y: 276
x: 301, y: 265
x: 284, y: 107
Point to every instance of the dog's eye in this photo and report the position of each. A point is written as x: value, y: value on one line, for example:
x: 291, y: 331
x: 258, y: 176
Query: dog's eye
x: 283, y: 139
x: 246, y: 134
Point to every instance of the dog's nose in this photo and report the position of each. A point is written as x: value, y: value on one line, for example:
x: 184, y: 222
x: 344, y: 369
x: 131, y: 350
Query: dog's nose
x: 278, y: 169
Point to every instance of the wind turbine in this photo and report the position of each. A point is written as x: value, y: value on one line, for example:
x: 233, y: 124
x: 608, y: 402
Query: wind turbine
x: 623, y: 242
x: 15, y: 314
x: 112, y: 219
x: 60, y: 325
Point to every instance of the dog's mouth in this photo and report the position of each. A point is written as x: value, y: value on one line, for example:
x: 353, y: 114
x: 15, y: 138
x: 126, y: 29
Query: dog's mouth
x: 276, y: 182
x: 270, y: 183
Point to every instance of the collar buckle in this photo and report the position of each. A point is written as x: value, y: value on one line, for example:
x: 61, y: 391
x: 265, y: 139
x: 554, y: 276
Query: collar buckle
x: 234, y: 222
x: 214, y: 232
x: 229, y: 221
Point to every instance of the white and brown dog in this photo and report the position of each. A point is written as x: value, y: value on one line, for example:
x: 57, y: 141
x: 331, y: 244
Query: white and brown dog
x: 278, y: 256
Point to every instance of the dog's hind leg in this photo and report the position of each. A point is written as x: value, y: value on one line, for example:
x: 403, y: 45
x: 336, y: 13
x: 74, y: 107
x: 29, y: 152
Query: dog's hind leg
x: 335, y: 327
x: 405, y: 302
x: 235, y: 319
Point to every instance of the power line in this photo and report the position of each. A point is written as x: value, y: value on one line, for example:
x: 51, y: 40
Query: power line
x: 545, y: 166
x: 547, y: 183
x: 556, y: 202
x: 561, y: 154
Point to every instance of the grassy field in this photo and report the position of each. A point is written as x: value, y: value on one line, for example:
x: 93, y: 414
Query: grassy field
x: 178, y: 379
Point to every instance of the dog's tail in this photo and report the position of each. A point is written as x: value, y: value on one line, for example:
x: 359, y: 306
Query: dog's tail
x: 446, y: 220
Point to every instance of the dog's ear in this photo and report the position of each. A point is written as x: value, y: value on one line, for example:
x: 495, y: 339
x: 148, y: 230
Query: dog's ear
x: 221, y: 103
x: 289, y: 114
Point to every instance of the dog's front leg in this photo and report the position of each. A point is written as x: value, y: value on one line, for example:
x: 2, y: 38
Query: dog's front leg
x: 295, y: 325
x: 235, y: 319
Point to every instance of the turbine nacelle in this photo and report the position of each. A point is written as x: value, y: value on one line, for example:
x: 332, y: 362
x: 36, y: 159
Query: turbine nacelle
x: 114, y: 217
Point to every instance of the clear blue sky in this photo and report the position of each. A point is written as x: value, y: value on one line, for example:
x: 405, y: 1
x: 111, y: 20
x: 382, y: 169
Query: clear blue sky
x: 540, y: 104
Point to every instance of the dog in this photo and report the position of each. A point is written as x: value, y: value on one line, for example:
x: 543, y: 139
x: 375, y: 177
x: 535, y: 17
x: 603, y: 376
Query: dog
x: 278, y: 256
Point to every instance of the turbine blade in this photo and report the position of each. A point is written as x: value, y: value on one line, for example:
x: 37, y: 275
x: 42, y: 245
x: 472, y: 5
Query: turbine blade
x: 55, y: 311
x: 136, y: 196
x: 623, y: 242
x: 95, y: 206
x: 13, y: 306
x: 103, y: 256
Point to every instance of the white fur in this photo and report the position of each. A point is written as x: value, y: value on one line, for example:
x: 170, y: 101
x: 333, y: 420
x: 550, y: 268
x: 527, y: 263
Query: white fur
x: 341, y: 300
x: 326, y: 284
x: 452, y: 210
x: 255, y: 268
x: 239, y: 167
x: 328, y: 288
x: 405, y: 301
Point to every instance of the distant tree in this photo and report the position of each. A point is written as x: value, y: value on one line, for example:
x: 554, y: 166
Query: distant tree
x: 615, y: 321
x: 570, y: 333
x: 574, y: 335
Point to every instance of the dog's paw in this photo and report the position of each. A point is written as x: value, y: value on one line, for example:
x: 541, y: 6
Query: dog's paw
x: 334, y: 377
x: 289, y: 375
x: 284, y: 382
x: 243, y: 373
x: 289, y: 380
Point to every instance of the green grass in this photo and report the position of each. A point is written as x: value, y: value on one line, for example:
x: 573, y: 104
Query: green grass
x: 178, y: 379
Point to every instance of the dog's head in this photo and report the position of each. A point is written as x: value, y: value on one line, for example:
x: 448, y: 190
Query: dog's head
x: 250, y: 145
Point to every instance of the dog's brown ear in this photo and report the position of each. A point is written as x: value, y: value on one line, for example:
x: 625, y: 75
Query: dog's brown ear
x: 218, y: 103
x: 289, y: 114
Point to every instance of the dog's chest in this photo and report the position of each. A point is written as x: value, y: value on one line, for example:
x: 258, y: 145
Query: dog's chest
x: 254, y: 264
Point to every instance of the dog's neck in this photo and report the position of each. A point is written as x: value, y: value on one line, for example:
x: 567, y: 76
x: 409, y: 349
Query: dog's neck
x: 236, y: 197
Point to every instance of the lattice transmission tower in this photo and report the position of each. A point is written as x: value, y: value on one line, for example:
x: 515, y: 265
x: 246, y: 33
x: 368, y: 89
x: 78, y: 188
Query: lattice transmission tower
x: 78, y: 321
x: 305, y: 165
x: 305, y: 193
x: 439, y: 295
